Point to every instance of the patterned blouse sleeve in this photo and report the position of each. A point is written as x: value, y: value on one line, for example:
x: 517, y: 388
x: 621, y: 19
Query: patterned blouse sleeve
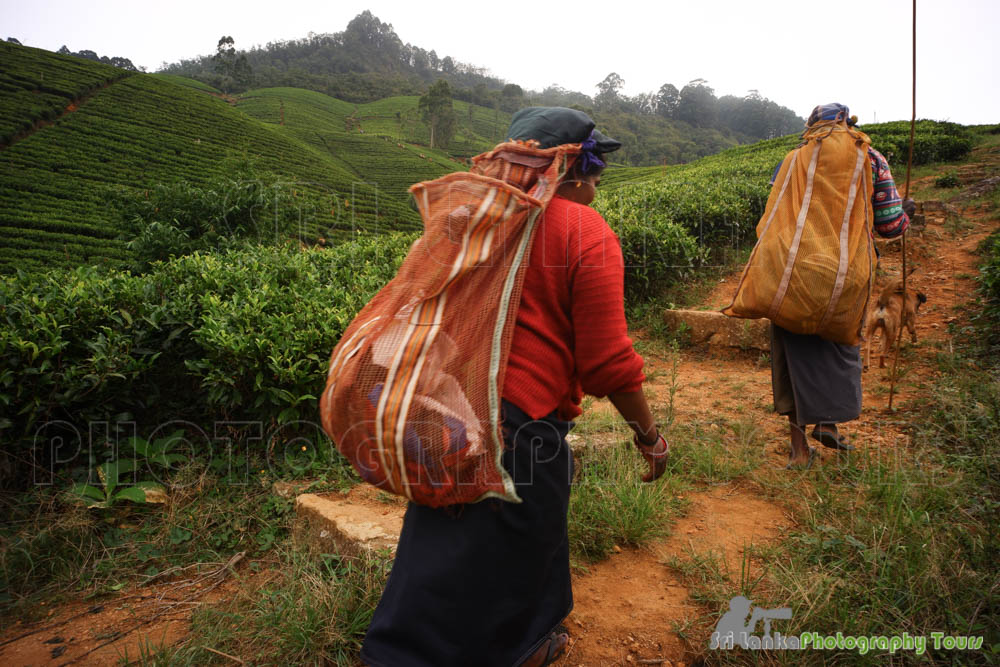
x: 890, y: 221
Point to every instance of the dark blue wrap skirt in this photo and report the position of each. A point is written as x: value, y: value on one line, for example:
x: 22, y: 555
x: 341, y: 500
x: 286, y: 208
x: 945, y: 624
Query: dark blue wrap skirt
x: 485, y: 583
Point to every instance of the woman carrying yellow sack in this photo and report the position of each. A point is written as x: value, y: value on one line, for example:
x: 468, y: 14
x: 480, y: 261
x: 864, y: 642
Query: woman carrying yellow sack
x: 812, y: 272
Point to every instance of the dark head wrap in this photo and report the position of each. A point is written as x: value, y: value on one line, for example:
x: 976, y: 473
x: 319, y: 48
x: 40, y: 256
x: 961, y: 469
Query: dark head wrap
x: 554, y: 126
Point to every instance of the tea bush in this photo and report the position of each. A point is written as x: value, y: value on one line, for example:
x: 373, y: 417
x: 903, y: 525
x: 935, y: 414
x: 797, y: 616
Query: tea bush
x: 948, y: 180
x: 934, y: 141
x: 180, y: 217
x: 669, y: 225
x: 241, y: 336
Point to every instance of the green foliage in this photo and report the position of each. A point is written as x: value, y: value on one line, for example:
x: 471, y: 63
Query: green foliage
x: 611, y: 505
x: 649, y: 139
x: 477, y: 128
x: 989, y: 290
x: 235, y: 71
x: 180, y: 218
x: 364, y: 140
x: 185, y: 81
x: 364, y: 62
x: 115, y: 61
x: 697, y: 104
x: 368, y: 61
x: 143, y: 131
x: 160, y: 452
x: 242, y: 336
x: 607, y: 98
x: 112, y: 475
x: 934, y: 141
x: 37, y: 85
x: 947, y: 180
x: 439, y: 113
x: 668, y: 224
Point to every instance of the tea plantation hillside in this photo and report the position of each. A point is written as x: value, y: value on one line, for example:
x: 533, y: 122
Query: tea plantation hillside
x: 331, y: 127
x: 37, y: 86
x: 83, y: 144
x: 478, y: 129
x: 184, y: 81
x: 76, y: 134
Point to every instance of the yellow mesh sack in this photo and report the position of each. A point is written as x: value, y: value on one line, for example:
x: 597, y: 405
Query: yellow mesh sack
x: 813, y: 267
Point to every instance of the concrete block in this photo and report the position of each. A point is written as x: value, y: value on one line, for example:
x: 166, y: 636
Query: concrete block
x: 332, y: 523
x: 714, y: 328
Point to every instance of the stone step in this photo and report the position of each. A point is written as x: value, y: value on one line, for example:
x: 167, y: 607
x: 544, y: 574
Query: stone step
x: 714, y: 328
x: 350, y: 525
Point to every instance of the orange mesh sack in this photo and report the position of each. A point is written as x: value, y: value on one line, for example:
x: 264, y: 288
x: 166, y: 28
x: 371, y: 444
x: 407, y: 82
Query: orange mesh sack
x: 413, y: 389
x: 813, y: 267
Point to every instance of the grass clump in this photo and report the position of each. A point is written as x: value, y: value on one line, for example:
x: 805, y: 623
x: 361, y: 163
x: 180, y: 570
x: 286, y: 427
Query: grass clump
x: 610, y: 505
x: 52, y: 546
x: 307, y: 610
x: 901, y: 539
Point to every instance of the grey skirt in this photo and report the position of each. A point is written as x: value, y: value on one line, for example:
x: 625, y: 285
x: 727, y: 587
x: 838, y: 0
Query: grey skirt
x: 817, y: 380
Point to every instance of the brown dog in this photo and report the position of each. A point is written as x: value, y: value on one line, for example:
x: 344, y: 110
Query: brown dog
x: 889, y: 315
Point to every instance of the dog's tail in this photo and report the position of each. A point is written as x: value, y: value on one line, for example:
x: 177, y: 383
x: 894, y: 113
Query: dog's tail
x: 921, y: 299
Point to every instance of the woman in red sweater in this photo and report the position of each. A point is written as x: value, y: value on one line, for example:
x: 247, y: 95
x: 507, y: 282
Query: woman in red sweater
x: 489, y: 583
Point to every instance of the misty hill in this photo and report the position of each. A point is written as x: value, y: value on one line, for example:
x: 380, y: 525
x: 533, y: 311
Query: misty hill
x: 367, y: 62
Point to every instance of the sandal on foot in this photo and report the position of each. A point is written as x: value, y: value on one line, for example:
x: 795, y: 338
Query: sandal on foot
x: 551, y: 649
x: 831, y: 440
x: 804, y: 466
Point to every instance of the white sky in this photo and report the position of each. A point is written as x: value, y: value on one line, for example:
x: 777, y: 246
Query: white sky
x: 798, y: 53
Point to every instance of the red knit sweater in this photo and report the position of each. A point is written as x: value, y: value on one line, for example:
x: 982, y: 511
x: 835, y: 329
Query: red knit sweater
x: 571, y: 337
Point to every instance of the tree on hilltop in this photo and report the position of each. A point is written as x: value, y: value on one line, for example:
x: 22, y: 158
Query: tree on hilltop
x: 697, y: 104
x: 608, y: 98
x: 372, y: 44
x: 756, y: 116
x: 116, y: 61
x: 235, y: 70
x: 439, y: 113
x: 511, y: 97
x: 666, y: 100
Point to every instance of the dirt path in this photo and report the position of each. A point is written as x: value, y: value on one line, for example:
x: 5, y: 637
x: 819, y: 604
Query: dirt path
x: 630, y: 608
x: 107, y: 631
x: 627, y: 607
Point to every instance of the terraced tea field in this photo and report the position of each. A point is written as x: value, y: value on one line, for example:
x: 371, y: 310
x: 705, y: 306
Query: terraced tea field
x: 38, y: 86
x: 104, y: 130
x: 331, y: 128
x: 478, y: 128
x: 75, y: 134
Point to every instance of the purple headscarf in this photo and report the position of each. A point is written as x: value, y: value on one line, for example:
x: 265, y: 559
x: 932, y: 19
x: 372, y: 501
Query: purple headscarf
x: 588, y: 156
x: 832, y: 111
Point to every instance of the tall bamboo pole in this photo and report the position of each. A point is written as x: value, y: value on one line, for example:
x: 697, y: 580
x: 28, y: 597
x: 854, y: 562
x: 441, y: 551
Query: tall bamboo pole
x: 906, y: 195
